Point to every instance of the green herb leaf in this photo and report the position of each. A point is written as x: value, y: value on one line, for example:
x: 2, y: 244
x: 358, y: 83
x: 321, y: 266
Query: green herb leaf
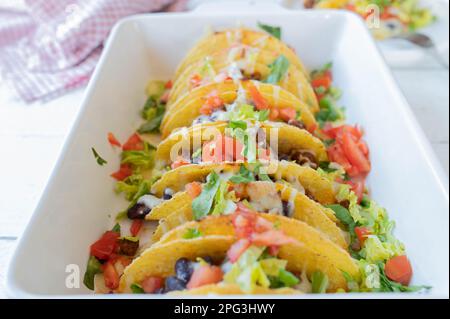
x: 238, y: 124
x: 153, y: 113
x: 262, y: 176
x: 137, y: 289
x: 342, y: 214
x: 326, y: 167
x: 202, y: 205
x: 319, y: 282
x: 93, y: 268
x: 192, y: 233
x: 288, y: 278
x: 245, y: 176
x: 116, y: 228
x: 272, y: 30
x: 263, y: 115
x: 100, y: 161
x: 278, y: 70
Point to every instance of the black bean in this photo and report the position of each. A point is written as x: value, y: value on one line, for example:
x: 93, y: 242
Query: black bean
x: 184, y: 269
x: 305, y: 158
x: 286, y: 208
x: 345, y: 203
x: 208, y: 259
x: 297, y: 123
x: 168, y: 193
x: 310, y: 195
x: 309, y: 4
x: 128, y: 247
x: 138, y: 211
x: 174, y: 284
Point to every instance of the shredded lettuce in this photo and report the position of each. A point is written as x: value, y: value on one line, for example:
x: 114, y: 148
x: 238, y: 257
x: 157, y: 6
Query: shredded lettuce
x: 345, y: 193
x: 140, y: 159
x: 319, y: 282
x: 272, y: 266
x: 130, y: 185
x: 153, y: 110
x: 192, y: 233
x: 374, y: 250
x: 370, y: 276
x: 202, y: 205
x: 244, y: 176
x: 256, y: 268
x: 220, y: 202
x: 278, y: 70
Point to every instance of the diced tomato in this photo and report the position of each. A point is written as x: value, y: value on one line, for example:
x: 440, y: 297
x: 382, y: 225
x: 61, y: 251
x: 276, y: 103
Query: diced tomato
x: 134, y: 143
x: 274, y: 114
x: 113, y: 140
x: 263, y: 154
x: 136, y: 226
x: 271, y: 238
x: 259, y: 100
x: 386, y: 14
x: 205, y: 275
x: 124, y: 171
x: 244, y: 221
x: 323, y: 80
x: 165, y: 97
x: 273, y: 250
x: 349, y: 150
x: 354, y: 153
x: 399, y: 269
x: 194, y: 189
x: 237, y: 249
x: 152, y: 284
x: 212, y: 103
x: 358, y: 185
x: 350, y: 7
x: 180, y: 161
x: 362, y: 233
x: 312, y: 128
x: 336, y: 154
x: 245, y: 210
x: 288, y: 113
x: 168, y: 85
x: 222, y: 149
x: 262, y: 225
x: 105, y: 246
x: 196, y: 80
x: 123, y: 260
x: 239, y: 189
x: 110, y: 275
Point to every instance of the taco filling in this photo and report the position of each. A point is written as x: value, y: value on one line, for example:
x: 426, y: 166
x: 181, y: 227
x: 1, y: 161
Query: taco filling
x: 250, y: 262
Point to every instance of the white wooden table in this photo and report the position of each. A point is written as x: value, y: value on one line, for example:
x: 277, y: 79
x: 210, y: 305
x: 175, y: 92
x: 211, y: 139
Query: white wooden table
x: 31, y: 138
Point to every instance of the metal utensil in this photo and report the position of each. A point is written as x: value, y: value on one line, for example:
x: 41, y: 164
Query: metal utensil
x: 425, y: 42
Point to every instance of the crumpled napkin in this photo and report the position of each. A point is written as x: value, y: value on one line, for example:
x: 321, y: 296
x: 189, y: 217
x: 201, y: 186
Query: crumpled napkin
x: 54, y: 46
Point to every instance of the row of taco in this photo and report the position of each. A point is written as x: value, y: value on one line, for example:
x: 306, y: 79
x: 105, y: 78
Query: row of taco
x: 255, y: 188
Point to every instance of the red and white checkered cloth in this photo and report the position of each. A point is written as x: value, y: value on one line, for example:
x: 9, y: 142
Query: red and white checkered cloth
x: 54, y: 46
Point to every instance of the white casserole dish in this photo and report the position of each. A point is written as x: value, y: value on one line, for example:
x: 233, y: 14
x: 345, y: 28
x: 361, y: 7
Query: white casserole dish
x: 74, y: 209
